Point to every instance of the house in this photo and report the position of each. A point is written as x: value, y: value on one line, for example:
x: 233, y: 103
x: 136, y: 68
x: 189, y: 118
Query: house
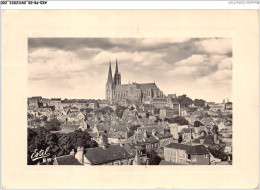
x: 166, y: 113
x: 96, y: 136
x: 68, y: 128
x: 108, y: 155
x: 148, y: 108
x: 101, y: 128
x: 115, y: 137
x: 75, y: 116
x: 56, y: 102
x: 223, y: 125
x: 82, y: 124
x: 160, y: 102
x: 217, y: 108
x: 208, y: 140
x: 33, y: 102
x: 102, y: 103
x: 164, y: 140
x: 187, y: 134
x: 66, y: 160
x: 174, y: 130
x: 207, y: 121
x: 210, y: 104
x: 173, y: 104
x: 92, y: 104
x: 163, y: 162
x: 139, y: 152
x: 228, y: 106
x: 186, y: 154
x: 146, y: 139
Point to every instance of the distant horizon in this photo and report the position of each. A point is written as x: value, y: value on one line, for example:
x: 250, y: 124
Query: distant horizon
x: 63, y: 98
x: 77, y: 68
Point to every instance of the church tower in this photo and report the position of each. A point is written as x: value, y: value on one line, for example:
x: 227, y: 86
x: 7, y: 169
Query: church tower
x: 117, y: 76
x: 109, y: 85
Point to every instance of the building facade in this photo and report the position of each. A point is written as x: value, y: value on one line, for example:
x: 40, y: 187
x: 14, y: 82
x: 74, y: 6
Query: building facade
x: 186, y: 154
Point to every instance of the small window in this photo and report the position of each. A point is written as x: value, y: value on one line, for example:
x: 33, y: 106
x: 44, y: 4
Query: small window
x: 189, y: 156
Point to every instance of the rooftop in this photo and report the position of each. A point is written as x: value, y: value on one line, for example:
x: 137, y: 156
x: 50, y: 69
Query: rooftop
x: 100, y: 155
x: 67, y: 160
x: 190, y: 149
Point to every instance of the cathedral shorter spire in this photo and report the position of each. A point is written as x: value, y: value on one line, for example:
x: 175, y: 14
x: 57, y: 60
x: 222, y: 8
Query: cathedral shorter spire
x: 109, y: 78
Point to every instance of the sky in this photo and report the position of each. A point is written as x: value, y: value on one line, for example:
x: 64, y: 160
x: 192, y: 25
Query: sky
x: 78, y: 67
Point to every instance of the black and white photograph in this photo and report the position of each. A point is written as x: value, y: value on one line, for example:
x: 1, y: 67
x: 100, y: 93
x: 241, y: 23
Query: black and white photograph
x: 97, y: 96
x: 129, y: 101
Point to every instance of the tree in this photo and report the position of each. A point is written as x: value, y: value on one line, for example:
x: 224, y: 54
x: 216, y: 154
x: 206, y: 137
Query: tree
x: 193, y: 109
x: 147, y: 114
x: 207, y: 107
x: 86, y: 110
x: 218, y: 152
x: 105, y: 110
x: 178, y: 119
x: 73, y: 140
x: 45, y: 118
x: 58, y: 144
x: 119, y: 111
x: 154, y: 158
x: 184, y: 100
x: 134, y: 127
x: 35, y: 140
x: 157, y: 119
x: 197, y: 123
x: 52, y: 125
x: 30, y: 116
x: 199, y: 102
x: 37, y: 120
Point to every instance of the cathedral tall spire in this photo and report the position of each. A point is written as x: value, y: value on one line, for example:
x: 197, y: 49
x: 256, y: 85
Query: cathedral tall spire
x: 116, y: 67
x: 109, y: 78
x: 117, y: 76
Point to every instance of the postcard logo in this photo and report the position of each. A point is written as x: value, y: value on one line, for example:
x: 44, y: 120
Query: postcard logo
x: 40, y: 154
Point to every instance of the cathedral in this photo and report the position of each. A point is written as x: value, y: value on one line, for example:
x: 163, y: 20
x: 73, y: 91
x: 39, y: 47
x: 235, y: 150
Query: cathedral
x: 115, y: 91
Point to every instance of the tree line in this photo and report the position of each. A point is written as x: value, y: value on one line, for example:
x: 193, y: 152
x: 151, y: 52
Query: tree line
x: 59, y: 143
x: 185, y: 101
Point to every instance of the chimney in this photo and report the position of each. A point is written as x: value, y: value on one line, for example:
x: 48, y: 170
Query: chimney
x: 137, y: 159
x: 104, y: 146
x: 126, y: 135
x: 216, y: 138
x: 147, y: 161
x: 145, y: 134
x: 135, y: 133
x: 79, y: 154
x: 72, y: 152
x: 191, y: 133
